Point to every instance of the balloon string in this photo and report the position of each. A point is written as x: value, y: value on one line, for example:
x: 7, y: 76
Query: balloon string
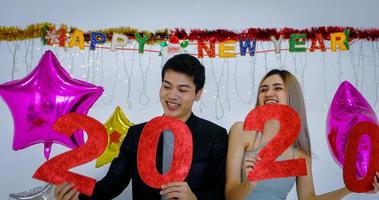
x: 29, y: 50
x: 265, y: 54
x: 324, y: 79
x: 129, y: 75
x: 252, y: 81
x: 227, y: 83
x: 143, y: 97
x: 353, y: 66
x: 362, y: 61
x: 14, y: 57
x: 218, y: 81
x: 88, y: 74
x: 375, y: 71
x: 114, y: 84
x: 304, y: 65
x: 339, y: 66
x: 294, y: 61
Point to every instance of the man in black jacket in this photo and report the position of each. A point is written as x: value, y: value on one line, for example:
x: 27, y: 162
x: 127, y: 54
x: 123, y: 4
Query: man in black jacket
x: 183, y: 78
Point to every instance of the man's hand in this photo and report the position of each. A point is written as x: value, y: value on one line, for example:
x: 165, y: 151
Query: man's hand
x: 177, y: 190
x: 375, y: 184
x: 66, y: 191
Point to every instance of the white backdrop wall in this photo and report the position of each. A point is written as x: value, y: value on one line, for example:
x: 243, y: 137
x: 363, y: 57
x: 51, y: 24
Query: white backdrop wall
x: 231, y: 84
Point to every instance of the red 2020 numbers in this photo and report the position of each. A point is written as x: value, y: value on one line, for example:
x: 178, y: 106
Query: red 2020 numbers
x: 349, y: 168
x: 55, y: 170
x: 268, y: 167
x: 147, y: 151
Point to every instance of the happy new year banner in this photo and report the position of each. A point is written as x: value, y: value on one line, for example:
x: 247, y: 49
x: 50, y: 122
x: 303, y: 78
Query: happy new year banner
x: 206, y: 41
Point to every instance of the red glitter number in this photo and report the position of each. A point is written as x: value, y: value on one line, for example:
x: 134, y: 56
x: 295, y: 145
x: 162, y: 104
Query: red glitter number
x: 55, y: 170
x: 349, y: 168
x: 268, y: 167
x: 147, y: 151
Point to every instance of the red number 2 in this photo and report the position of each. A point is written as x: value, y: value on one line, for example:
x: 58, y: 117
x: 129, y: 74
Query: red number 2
x: 55, y: 170
x: 147, y: 151
x: 268, y: 167
x: 349, y: 168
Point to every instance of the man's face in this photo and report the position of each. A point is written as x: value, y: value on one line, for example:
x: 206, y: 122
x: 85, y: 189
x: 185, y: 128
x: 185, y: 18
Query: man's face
x: 177, y: 94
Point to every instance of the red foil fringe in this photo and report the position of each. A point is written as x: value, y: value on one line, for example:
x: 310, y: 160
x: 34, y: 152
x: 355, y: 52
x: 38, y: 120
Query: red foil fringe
x: 264, y: 34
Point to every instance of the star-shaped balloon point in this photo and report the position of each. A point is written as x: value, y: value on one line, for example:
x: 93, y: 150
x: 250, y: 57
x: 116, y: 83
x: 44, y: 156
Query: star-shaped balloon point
x: 39, y: 99
x: 117, y: 126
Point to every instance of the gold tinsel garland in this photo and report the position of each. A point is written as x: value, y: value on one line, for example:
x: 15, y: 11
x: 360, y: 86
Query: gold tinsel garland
x: 14, y: 33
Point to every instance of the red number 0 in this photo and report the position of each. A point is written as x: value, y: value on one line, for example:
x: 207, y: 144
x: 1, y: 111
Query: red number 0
x: 147, y: 151
x: 267, y: 167
x: 349, y: 168
x: 55, y: 170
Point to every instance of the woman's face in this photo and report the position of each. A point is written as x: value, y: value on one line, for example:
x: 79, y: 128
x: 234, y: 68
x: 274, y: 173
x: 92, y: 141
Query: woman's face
x: 272, y: 90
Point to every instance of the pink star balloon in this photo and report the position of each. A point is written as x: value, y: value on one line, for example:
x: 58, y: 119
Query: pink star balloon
x: 347, y: 109
x: 40, y: 98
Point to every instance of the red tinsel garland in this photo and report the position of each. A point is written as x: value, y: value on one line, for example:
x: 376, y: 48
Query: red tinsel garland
x: 218, y: 35
x: 264, y: 34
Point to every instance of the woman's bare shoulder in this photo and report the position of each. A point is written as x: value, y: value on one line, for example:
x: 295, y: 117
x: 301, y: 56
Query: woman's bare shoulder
x: 237, y: 133
x: 237, y: 126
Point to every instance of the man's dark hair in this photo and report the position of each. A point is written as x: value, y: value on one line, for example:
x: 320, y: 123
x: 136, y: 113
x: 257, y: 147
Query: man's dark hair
x: 189, y: 65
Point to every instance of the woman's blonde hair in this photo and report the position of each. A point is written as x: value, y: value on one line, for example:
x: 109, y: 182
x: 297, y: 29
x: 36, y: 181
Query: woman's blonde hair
x: 295, y: 101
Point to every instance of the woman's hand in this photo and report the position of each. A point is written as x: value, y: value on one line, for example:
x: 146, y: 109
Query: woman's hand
x: 248, y: 165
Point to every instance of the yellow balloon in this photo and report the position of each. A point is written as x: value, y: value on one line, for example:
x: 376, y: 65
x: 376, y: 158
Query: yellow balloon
x: 117, y: 126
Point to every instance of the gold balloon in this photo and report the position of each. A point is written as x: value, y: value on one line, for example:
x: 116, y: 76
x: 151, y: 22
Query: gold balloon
x: 117, y: 126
